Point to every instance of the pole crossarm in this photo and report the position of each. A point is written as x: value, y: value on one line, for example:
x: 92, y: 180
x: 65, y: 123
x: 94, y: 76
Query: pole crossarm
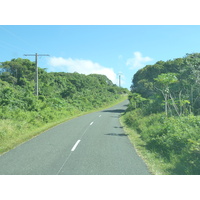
x: 36, y: 69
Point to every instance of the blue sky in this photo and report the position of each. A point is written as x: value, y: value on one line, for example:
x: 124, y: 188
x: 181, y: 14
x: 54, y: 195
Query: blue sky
x: 108, y: 49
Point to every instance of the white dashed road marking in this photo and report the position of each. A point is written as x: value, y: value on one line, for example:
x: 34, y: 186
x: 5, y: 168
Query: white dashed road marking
x: 74, y: 147
x: 91, y: 123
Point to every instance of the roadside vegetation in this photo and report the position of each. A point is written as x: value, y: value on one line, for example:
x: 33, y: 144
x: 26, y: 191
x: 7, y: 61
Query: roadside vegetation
x: 61, y: 96
x: 163, y: 117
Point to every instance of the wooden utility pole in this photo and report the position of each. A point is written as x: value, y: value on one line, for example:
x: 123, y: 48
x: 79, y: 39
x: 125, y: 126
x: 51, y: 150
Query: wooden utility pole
x: 36, y: 69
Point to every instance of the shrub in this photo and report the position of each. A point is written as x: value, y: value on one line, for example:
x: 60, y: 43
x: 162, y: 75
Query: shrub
x: 175, y: 139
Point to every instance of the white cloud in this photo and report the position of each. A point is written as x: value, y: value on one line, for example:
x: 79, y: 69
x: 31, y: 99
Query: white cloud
x: 137, y: 61
x: 59, y: 64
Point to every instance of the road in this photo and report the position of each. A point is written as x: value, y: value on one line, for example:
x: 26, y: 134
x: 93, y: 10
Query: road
x: 93, y: 144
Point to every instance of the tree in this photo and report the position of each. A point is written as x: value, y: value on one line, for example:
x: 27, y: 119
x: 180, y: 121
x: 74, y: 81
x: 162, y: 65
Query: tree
x: 19, y: 68
x: 136, y: 100
x: 164, y: 81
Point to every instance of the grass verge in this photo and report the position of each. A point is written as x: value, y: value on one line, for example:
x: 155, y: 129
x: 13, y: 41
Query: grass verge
x: 154, y: 165
x: 168, y: 145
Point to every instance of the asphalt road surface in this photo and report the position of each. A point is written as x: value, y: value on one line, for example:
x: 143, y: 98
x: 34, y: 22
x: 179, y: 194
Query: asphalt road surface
x: 93, y: 144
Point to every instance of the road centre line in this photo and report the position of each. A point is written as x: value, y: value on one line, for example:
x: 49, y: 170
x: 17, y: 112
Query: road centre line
x: 76, y: 144
x: 74, y: 147
x: 91, y: 123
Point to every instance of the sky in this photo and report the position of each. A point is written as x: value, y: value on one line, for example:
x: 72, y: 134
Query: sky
x: 111, y: 50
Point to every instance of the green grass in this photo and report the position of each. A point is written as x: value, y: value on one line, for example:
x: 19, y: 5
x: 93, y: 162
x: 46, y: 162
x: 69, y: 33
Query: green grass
x: 167, y: 145
x: 26, y: 125
x: 153, y: 163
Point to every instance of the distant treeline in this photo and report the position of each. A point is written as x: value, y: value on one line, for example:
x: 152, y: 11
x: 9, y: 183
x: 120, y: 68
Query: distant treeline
x: 56, y: 89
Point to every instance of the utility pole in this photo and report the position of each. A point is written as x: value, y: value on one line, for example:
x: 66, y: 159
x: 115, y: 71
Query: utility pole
x: 36, y: 69
x: 120, y: 79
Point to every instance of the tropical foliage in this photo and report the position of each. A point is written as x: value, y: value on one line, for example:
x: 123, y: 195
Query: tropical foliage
x: 61, y: 95
x: 164, y: 110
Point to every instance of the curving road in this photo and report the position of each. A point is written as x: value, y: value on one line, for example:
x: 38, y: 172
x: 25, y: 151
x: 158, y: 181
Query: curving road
x: 93, y: 144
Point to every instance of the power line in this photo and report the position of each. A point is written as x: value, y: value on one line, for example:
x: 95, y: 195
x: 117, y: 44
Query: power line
x: 14, y: 35
x: 36, y: 69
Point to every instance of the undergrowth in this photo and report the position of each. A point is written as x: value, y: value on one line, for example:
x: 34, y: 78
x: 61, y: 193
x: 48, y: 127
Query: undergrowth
x: 171, y: 142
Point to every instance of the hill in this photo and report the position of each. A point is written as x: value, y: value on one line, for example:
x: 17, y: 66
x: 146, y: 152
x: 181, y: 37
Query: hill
x: 61, y: 96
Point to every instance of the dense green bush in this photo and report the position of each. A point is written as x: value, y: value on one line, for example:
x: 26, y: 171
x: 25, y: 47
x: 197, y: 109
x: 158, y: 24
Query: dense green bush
x: 61, y: 95
x: 175, y: 139
x: 164, y: 110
